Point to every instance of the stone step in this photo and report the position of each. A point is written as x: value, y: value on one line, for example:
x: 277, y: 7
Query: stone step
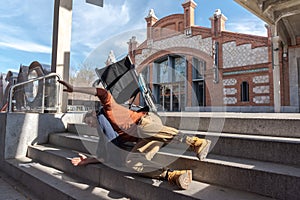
x: 267, y: 124
x: 265, y: 178
x: 49, y: 183
x: 78, y: 142
x: 264, y: 148
x: 81, y: 128
x: 132, y: 185
x: 12, y: 189
x: 270, y: 124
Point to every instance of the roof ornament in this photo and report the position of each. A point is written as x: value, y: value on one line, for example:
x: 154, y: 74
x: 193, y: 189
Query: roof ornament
x: 186, y: 1
x: 218, y: 12
x: 111, y: 58
x: 151, y: 13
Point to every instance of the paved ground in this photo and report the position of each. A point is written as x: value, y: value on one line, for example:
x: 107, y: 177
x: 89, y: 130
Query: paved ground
x: 12, y: 190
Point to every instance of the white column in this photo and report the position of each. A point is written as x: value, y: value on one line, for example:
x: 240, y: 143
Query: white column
x: 61, y: 43
x: 276, y: 73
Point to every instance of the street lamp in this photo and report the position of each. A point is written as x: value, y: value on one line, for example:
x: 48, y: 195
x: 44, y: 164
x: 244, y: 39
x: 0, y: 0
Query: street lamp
x: 95, y: 2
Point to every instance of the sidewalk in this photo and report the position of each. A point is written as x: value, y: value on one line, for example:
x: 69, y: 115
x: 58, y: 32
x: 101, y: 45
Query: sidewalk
x: 12, y: 190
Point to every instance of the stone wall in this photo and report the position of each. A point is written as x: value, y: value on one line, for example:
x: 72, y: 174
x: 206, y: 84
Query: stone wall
x: 182, y: 41
x: 23, y: 129
x: 243, y: 55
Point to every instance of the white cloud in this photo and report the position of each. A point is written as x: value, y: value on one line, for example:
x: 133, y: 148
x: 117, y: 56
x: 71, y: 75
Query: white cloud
x: 8, y: 29
x: 91, y: 23
x: 26, y: 46
x: 94, y: 27
x: 10, y: 9
x: 251, y: 26
x: 26, y: 26
x: 117, y: 43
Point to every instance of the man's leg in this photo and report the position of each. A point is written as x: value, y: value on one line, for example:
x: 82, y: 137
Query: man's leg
x: 107, y: 128
x: 139, y: 159
x: 109, y: 148
x: 151, y: 127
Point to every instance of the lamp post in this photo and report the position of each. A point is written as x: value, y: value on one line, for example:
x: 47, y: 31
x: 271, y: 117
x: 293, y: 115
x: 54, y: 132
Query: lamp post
x: 61, y: 41
x: 95, y: 2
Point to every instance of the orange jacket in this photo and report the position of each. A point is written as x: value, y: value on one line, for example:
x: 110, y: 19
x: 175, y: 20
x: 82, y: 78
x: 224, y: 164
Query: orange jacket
x: 123, y: 120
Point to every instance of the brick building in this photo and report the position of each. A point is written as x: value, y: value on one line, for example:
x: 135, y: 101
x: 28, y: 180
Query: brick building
x: 194, y: 68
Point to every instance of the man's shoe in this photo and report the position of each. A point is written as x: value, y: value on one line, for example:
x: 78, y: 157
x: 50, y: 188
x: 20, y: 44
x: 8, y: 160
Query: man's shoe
x: 181, y: 178
x: 199, y: 146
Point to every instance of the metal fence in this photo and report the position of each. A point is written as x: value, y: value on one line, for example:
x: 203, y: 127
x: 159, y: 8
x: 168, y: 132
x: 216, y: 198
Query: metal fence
x: 39, y: 95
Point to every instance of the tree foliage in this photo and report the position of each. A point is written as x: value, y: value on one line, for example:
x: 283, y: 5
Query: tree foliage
x: 84, y: 75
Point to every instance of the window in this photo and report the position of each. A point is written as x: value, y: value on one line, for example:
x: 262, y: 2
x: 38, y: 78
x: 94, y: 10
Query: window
x: 179, y: 69
x: 199, y: 67
x: 245, y: 91
x: 199, y: 93
x: 145, y: 74
x: 169, y: 89
x: 163, y: 75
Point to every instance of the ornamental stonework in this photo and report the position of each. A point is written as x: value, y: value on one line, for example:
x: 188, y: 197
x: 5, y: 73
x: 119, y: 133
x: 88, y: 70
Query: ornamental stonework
x: 261, y: 79
x: 261, y: 99
x: 139, y: 58
x: 228, y: 82
x: 264, y: 89
x: 196, y: 42
x: 229, y: 91
x: 243, y: 55
x: 229, y: 100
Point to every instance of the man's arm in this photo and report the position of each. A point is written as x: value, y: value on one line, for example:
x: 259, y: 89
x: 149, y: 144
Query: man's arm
x: 85, y: 90
x: 70, y: 88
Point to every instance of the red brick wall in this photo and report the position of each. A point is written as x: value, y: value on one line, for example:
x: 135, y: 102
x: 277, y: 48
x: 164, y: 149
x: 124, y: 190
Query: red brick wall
x: 172, y: 25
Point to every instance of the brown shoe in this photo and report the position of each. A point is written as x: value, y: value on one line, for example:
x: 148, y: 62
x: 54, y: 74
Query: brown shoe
x: 181, y: 178
x: 199, y: 146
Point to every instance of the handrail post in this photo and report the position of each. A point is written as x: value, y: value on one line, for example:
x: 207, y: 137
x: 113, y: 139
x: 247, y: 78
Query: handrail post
x: 58, y: 98
x: 43, y: 96
x: 10, y: 98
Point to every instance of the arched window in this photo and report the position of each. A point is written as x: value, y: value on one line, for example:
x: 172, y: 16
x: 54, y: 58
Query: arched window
x: 169, y: 86
x: 244, y: 91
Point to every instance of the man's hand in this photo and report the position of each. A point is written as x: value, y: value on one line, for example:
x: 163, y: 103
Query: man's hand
x: 83, y: 160
x: 69, y: 87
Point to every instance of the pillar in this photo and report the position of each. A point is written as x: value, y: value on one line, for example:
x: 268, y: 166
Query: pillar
x: 276, y: 73
x: 151, y: 19
x: 218, y: 22
x: 189, y: 13
x: 61, y: 44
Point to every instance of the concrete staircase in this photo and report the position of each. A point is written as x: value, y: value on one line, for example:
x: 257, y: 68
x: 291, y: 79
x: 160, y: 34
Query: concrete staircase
x: 246, y: 163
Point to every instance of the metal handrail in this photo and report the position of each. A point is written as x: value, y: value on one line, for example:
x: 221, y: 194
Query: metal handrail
x: 30, y: 81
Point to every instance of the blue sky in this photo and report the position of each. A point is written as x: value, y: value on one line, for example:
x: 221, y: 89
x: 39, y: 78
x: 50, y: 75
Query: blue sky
x: 26, y: 28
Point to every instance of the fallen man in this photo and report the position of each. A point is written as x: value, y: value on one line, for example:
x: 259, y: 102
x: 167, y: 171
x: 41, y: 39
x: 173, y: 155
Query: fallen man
x: 147, y: 130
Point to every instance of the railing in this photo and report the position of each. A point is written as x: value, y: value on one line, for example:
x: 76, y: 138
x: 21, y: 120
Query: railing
x: 31, y: 95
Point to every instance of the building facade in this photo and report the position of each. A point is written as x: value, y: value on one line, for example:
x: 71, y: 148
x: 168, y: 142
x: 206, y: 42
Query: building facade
x: 195, y: 68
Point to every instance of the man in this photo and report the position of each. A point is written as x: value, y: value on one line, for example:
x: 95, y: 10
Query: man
x: 147, y: 130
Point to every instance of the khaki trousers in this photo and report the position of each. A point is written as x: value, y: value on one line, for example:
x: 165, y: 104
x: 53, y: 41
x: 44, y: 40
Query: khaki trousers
x: 153, y: 136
